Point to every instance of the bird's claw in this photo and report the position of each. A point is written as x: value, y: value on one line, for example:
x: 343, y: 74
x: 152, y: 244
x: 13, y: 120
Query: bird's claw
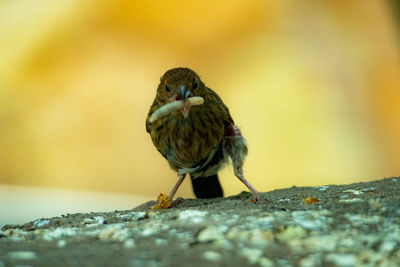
x: 177, y: 201
x: 255, y: 198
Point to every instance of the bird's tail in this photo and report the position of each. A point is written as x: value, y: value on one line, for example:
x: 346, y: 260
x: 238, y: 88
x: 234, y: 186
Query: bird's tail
x: 207, y: 187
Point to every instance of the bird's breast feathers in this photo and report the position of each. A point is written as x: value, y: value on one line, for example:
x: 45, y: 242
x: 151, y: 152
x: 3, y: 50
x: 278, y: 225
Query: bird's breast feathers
x: 188, y: 141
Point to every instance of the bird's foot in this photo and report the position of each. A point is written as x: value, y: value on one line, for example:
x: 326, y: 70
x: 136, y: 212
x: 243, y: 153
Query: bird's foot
x: 255, y: 198
x: 177, y: 201
x: 253, y: 191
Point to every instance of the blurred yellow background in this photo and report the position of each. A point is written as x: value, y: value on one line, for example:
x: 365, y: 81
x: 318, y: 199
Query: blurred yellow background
x: 314, y: 86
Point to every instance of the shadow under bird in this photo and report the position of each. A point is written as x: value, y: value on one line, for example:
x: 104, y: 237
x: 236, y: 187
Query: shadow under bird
x: 195, y: 139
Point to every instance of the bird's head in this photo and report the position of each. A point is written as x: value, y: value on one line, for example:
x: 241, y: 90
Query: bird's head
x: 179, y: 84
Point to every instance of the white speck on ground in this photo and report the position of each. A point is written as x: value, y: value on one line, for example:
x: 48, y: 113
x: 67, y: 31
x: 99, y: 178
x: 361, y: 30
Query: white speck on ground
x: 161, y: 242
x: 41, y: 223
x: 148, y: 232
x: 309, y: 261
x: 351, y: 200
x: 61, y: 243
x: 194, y: 216
x: 368, y: 189
x: 253, y: 255
x: 265, y: 262
x: 388, y: 246
x: 211, y: 255
x: 303, y: 219
x: 22, y: 255
x: 323, y: 188
x: 134, y: 215
x: 342, y: 260
x: 99, y: 219
x: 210, y: 233
x: 60, y: 232
x: 130, y: 243
x: 355, y: 192
x: 266, y: 222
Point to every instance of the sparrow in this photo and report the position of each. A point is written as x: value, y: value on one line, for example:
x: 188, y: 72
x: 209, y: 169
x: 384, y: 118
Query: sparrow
x: 196, y: 140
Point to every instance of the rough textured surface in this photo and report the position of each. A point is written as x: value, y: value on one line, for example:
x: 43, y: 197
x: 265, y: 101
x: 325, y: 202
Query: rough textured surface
x: 351, y: 225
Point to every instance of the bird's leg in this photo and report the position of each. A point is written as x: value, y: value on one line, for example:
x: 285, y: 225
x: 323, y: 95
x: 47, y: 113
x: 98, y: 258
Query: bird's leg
x: 239, y: 174
x: 178, y: 183
x: 236, y: 147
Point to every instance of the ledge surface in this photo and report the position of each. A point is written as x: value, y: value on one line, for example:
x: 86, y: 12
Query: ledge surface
x: 344, y: 225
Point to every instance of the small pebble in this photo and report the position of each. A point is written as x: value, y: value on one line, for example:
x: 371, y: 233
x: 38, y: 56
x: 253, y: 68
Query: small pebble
x: 342, y: 260
x: 60, y: 232
x: 257, y: 238
x: 355, y: 192
x: 352, y: 200
x: 194, y: 216
x: 61, y: 243
x: 251, y: 254
x: 211, y: 255
x: 147, y: 263
x: 99, y: 219
x: 265, y: 262
x: 161, y: 242
x: 309, y: 261
x: 266, y: 222
x: 368, y: 189
x: 323, y: 243
x: 323, y: 188
x: 148, y: 232
x: 41, y: 223
x: 185, y: 235
x: 130, y: 243
x: 210, y: 233
x: 224, y: 243
x: 106, y: 234
x: 134, y: 215
x: 292, y: 232
x: 309, y: 224
x: 347, y: 243
x: 388, y: 246
x: 22, y: 255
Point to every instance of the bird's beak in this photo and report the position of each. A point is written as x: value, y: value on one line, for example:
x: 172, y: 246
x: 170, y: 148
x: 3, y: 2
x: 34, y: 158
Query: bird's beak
x: 183, y: 92
x: 184, y: 95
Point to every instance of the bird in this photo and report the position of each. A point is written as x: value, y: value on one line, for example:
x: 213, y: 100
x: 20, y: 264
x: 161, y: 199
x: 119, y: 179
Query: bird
x: 196, y: 140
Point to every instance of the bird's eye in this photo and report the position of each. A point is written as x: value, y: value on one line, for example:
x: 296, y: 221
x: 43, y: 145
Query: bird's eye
x: 195, y: 85
x: 167, y: 88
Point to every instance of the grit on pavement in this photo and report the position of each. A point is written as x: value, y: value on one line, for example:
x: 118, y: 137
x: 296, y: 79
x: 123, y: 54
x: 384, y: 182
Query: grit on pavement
x: 333, y: 225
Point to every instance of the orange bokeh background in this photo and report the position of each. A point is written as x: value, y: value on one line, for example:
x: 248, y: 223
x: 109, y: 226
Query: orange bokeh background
x: 314, y: 86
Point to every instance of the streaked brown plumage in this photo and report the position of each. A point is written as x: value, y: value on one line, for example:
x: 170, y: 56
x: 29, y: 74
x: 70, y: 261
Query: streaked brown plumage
x: 199, y: 139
